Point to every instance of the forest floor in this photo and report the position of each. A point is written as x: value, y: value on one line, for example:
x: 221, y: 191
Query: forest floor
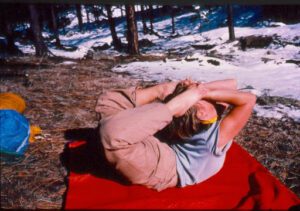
x: 61, y: 96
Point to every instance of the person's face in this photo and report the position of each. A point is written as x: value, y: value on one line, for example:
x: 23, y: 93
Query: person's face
x: 205, y: 110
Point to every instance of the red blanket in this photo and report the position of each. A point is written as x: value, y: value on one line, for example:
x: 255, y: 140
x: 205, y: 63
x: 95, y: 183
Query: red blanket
x: 243, y: 183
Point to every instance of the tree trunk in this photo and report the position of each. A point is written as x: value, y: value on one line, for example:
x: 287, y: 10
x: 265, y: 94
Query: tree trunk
x: 151, y: 18
x: 87, y: 14
x: 7, y: 28
x: 96, y: 14
x: 135, y: 18
x: 40, y: 47
x: 230, y: 23
x: 132, y: 35
x: 54, y: 25
x: 173, y: 20
x: 79, y: 16
x: 11, y: 47
x: 112, y: 26
x: 42, y: 17
x: 145, y: 28
x: 121, y: 8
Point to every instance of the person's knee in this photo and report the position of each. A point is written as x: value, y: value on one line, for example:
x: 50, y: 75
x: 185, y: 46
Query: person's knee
x: 111, y: 136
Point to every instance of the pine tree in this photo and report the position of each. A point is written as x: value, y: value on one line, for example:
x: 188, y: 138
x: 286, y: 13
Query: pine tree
x: 79, y: 16
x: 87, y: 13
x: 121, y: 9
x: 54, y: 25
x: 132, y: 35
x: 96, y: 13
x: 173, y: 20
x: 112, y: 26
x: 230, y: 23
x: 145, y: 28
x: 40, y: 46
x: 7, y: 27
x: 151, y: 18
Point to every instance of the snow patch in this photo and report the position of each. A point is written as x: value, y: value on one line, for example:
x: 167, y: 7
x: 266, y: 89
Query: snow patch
x: 68, y: 63
x: 262, y: 77
x: 278, y: 112
x: 27, y: 49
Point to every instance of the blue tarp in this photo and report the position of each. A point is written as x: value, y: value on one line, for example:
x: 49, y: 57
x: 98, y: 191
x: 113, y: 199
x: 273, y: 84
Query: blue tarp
x: 14, y: 132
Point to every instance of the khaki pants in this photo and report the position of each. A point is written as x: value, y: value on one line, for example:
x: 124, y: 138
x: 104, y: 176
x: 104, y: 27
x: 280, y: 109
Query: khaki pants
x: 127, y: 134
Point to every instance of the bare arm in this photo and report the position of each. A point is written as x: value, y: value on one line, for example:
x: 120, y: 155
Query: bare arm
x: 230, y: 84
x: 227, y: 84
x: 160, y: 91
x: 237, y: 118
x: 182, y: 102
x: 157, y: 92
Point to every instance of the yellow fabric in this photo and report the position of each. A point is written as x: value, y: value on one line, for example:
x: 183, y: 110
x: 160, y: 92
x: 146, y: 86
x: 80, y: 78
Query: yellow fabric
x: 34, y: 130
x: 209, y: 121
x: 12, y: 101
x: 15, y: 102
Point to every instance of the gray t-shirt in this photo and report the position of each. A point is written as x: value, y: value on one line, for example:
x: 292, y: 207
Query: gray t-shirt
x: 198, y: 158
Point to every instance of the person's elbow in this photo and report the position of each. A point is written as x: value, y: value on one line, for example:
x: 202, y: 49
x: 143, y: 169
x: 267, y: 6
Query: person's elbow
x: 251, y: 100
x: 234, y: 83
x: 231, y: 83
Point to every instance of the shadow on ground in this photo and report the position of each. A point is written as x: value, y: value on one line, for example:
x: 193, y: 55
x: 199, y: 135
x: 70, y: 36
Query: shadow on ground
x: 85, y: 155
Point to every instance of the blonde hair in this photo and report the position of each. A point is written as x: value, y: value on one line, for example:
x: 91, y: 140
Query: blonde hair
x: 186, y: 125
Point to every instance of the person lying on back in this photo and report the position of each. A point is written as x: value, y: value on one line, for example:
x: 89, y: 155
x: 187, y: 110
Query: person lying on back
x: 173, y: 133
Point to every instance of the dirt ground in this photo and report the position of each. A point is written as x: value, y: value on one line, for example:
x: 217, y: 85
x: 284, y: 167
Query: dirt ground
x: 61, y: 96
